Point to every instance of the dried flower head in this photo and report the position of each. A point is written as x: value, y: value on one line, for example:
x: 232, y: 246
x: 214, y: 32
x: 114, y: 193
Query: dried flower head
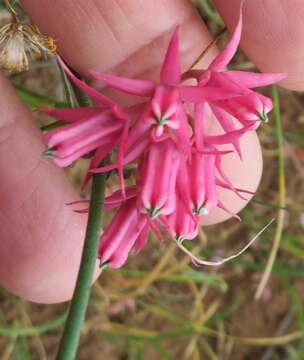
x: 19, y: 42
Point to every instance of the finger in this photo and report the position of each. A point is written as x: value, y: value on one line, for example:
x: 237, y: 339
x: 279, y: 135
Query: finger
x: 103, y: 35
x: 41, y: 238
x: 272, y: 35
x: 114, y: 35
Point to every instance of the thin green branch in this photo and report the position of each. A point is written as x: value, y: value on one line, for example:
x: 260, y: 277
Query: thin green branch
x: 282, y: 195
x: 33, y: 330
x: 210, y: 13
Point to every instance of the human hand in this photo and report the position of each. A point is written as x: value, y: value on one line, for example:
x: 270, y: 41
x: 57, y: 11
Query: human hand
x: 41, y: 238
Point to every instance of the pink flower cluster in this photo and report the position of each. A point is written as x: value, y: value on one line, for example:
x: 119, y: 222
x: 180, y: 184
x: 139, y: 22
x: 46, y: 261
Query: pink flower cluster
x: 178, y: 166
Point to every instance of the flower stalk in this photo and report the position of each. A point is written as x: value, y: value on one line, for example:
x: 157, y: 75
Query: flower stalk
x: 71, y: 333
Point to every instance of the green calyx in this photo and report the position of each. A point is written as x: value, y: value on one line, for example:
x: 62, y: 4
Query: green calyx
x: 263, y: 116
x: 153, y: 212
x: 200, y: 210
x: 48, y: 152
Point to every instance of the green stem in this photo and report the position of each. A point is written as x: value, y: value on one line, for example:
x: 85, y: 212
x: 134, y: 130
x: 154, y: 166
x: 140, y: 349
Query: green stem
x: 282, y: 195
x: 71, y: 334
x: 210, y: 13
x: 81, y: 97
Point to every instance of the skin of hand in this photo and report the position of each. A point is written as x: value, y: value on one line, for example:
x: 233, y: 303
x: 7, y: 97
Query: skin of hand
x: 41, y: 238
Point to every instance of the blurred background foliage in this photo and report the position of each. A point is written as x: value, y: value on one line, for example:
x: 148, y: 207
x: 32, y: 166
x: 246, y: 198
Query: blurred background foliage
x: 159, y: 305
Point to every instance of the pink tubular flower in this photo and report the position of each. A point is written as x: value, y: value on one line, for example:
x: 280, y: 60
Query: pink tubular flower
x: 249, y: 110
x: 99, y: 129
x: 127, y: 227
x: 180, y: 224
x: 157, y: 179
x: 197, y: 182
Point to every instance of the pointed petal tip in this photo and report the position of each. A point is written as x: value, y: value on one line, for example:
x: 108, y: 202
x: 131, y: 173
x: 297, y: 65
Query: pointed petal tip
x: 226, y: 55
x: 171, y: 69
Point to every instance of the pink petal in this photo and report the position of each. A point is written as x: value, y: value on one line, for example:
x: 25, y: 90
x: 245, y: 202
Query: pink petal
x: 73, y: 114
x: 91, y: 92
x: 120, y: 157
x: 158, y: 178
x: 77, y: 202
x: 97, y: 158
x: 196, y: 94
x: 103, y: 135
x: 227, y: 124
x: 130, y: 86
x: 148, y: 175
x: 135, y: 152
x: 180, y: 224
x: 142, y: 239
x: 220, y: 170
x: 83, y: 211
x: 184, y: 185
x: 211, y: 191
x: 197, y: 178
x: 227, y: 186
x: 226, y: 138
x: 171, y: 71
x: 117, y: 198
x: 79, y: 128
x: 221, y: 206
x: 116, y: 233
x: 183, y: 133
x: 123, y: 249
x: 199, y: 125
x: 225, y: 56
x: 155, y: 228
x: 215, y: 152
x: 221, y: 80
x: 64, y: 161
x: 254, y: 80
